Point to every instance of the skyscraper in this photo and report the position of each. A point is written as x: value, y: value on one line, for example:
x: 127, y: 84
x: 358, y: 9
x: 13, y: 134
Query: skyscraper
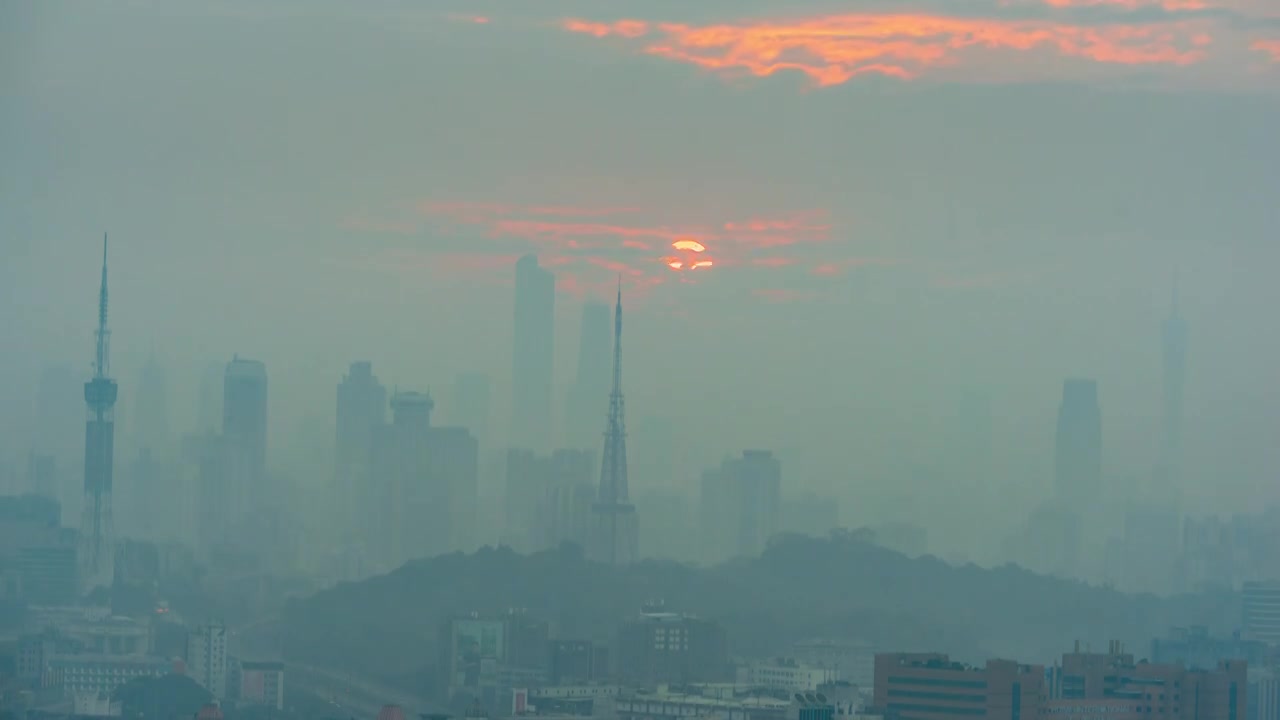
x: 244, y: 434
x: 740, y: 505
x: 587, y: 396
x: 532, y: 355
x: 1175, y: 363
x: 1078, y: 446
x: 453, y: 460
x: 151, y: 411
x: 401, y: 492
x: 469, y: 407
x: 96, y: 533
x: 362, y: 409
x: 615, y: 533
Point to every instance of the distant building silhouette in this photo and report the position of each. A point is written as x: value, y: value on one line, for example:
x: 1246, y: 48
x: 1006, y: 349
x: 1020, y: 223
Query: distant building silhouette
x: 1175, y: 368
x: 453, y: 470
x: 362, y: 411
x: 615, y: 536
x: 411, y: 517
x: 588, y: 396
x: 1261, y: 601
x: 151, y: 428
x: 740, y: 505
x: 244, y: 434
x: 533, y: 355
x: 469, y: 406
x: 97, y: 535
x: 1078, y: 445
x: 549, y: 498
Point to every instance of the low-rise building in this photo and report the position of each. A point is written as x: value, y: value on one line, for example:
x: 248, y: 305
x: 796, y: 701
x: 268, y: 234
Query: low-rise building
x: 785, y: 675
x: 930, y: 686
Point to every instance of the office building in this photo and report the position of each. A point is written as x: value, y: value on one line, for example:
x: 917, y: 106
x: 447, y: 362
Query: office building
x: 410, y: 517
x: 854, y: 661
x: 658, y: 646
x: 262, y: 684
x: 453, y: 469
x: 588, y: 396
x: 362, y: 411
x: 578, y: 662
x: 549, y: 499
x: 151, y: 429
x: 533, y: 356
x: 1112, y: 685
x: 97, y: 535
x: 244, y: 435
x: 930, y: 686
x: 785, y: 675
x: 615, y: 534
x: 740, y: 505
x: 1078, y: 446
x: 470, y: 405
x: 1261, y: 604
x: 207, y: 658
x: 1193, y: 647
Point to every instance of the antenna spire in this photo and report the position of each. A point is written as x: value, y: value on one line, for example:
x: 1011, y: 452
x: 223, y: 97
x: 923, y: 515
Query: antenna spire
x: 101, y: 357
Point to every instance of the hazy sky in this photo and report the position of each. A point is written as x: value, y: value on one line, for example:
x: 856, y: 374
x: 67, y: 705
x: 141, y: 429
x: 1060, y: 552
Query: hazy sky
x: 906, y: 203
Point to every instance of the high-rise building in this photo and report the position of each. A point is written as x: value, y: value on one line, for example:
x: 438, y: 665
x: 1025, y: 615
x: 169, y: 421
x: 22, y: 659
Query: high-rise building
x: 244, y: 434
x: 362, y: 410
x: 587, y: 396
x: 57, y: 418
x: 207, y: 658
x: 740, y: 505
x: 1078, y: 446
x: 96, y: 528
x: 470, y: 404
x: 549, y: 498
x: 453, y: 460
x: 532, y: 355
x: 151, y: 411
x: 1175, y: 365
x: 404, y: 500
x: 262, y: 683
x: 1261, y: 600
x: 930, y: 686
x: 616, y: 533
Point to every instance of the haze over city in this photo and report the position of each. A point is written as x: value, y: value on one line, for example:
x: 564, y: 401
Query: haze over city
x: 991, y: 280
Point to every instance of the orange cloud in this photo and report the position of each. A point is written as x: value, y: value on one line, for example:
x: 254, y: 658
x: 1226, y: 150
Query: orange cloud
x: 1270, y: 48
x: 832, y: 50
x: 579, y: 242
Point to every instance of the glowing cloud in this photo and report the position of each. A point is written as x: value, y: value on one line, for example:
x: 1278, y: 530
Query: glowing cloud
x: 832, y: 50
x: 1271, y: 48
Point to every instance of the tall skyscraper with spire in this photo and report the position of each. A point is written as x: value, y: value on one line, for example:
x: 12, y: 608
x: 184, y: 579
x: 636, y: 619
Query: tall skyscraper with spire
x: 1175, y: 365
x: 615, y: 529
x: 97, y: 554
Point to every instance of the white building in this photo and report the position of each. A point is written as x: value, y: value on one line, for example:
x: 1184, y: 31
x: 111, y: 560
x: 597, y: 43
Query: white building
x: 785, y: 674
x: 207, y: 658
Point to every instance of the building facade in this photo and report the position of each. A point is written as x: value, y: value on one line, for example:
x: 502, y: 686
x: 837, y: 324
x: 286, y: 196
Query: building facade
x: 930, y: 686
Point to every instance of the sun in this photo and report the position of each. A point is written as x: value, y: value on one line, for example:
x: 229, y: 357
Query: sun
x: 689, y: 254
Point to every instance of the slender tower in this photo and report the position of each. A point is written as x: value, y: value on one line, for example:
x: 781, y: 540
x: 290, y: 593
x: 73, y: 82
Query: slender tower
x: 1175, y: 364
x: 615, y: 538
x: 96, y: 538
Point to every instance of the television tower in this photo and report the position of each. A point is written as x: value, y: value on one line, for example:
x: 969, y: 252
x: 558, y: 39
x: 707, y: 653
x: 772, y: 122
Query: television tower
x: 96, y: 538
x: 1175, y: 370
x: 616, y: 533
